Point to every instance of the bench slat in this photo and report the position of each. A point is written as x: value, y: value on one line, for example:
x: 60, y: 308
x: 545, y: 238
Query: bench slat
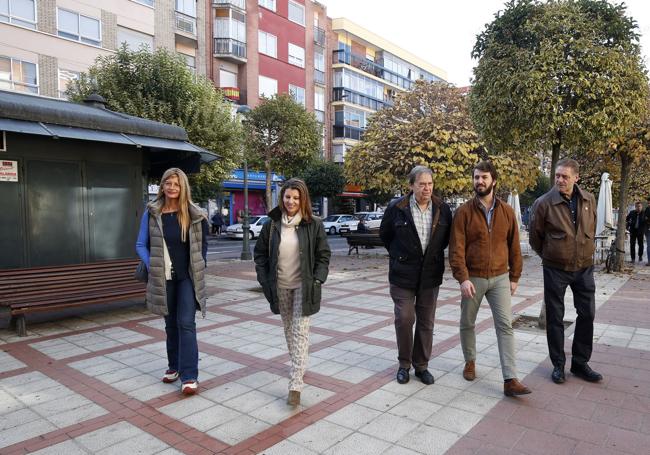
x: 103, y: 299
x: 76, y: 296
x: 44, y: 294
x: 44, y: 282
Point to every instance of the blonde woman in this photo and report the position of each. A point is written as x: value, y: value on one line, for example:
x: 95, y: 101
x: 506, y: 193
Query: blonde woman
x: 292, y: 260
x: 172, y: 243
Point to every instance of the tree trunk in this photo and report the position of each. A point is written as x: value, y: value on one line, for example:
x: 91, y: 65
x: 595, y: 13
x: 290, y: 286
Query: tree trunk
x: 555, y: 157
x: 268, y: 194
x: 619, y: 257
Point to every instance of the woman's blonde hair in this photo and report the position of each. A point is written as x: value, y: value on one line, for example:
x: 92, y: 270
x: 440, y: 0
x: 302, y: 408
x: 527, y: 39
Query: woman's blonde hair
x: 184, y: 199
x: 305, y: 201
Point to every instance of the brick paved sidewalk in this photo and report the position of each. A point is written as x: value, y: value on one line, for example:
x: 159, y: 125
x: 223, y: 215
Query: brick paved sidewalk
x: 91, y: 383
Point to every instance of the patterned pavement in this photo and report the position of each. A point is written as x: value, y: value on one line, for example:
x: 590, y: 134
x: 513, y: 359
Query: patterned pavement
x: 90, y: 382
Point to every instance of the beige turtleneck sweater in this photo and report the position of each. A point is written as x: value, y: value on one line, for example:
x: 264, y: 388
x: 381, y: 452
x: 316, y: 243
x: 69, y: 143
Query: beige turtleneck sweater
x: 289, y: 253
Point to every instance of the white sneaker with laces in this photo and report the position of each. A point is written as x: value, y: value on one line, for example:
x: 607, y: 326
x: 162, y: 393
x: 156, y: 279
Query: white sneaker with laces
x: 170, y: 376
x: 190, y: 387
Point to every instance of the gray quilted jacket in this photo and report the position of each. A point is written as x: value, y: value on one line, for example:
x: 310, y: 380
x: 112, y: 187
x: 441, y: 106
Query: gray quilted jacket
x: 156, y: 286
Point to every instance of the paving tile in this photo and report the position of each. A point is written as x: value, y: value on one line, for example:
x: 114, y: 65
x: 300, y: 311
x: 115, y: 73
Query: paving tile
x: 353, y: 416
x: 359, y: 444
x: 63, y: 448
x: 108, y: 436
x: 381, y: 400
x: 286, y: 447
x: 541, y: 443
x: 473, y: 402
x: 389, y: 427
x: 17, y: 434
x: 210, y: 417
x: 320, y: 436
x: 186, y: 406
x: 276, y: 411
x: 238, y: 429
x: 454, y: 420
x: 426, y: 439
x: 415, y: 409
x: 249, y: 401
x: 140, y: 444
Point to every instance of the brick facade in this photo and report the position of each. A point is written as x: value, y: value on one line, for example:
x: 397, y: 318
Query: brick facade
x: 46, y: 13
x: 48, y: 76
x: 109, y: 30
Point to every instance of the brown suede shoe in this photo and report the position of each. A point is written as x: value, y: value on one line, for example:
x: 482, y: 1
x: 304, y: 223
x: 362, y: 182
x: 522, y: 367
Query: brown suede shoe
x: 514, y: 387
x: 294, y: 398
x: 469, y: 372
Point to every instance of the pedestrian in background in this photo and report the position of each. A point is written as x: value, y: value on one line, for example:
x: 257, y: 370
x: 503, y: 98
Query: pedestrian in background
x: 172, y: 243
x: 217, y: 223
x: 635, y: 224
x: 292, y: 259
x: 485, y: 258
x: 415, y: 231
x: 562, y: 233
x: 646, y: 220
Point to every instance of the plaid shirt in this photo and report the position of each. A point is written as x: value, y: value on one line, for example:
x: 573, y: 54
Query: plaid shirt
x: 422, y: 220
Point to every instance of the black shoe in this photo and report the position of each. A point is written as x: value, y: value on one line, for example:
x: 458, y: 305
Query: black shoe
x: 425, y: 377
x: 403, y: 375
x: 585, y: 372
x: 558, y: 375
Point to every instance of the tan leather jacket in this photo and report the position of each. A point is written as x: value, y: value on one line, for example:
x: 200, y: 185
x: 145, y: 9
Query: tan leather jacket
x: 553, y: 236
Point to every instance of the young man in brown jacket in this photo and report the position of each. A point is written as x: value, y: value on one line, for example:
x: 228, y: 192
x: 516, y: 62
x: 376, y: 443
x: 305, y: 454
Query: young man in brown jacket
x: 562, y: 232
x: 485, y: 258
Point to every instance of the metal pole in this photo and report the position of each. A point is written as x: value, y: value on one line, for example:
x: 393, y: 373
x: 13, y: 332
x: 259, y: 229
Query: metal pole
x: 246, y: 251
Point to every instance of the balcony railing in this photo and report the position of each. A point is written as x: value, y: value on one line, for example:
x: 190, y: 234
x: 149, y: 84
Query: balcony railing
x: 185, y: 23
x: 241, y: 4
x: 319, y: 36
x: 319, y: 77
x: 229, y: 46
x: 351, y: 96
x: 370, y: 67
x: 232, y: 93
x: 347, y: 132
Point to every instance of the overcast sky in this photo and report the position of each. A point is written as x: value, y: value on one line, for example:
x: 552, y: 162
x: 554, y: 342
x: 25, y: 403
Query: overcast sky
x: 443, y: 32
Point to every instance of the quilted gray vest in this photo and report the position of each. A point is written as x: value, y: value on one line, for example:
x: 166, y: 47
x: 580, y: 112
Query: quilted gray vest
x: 156, y: 286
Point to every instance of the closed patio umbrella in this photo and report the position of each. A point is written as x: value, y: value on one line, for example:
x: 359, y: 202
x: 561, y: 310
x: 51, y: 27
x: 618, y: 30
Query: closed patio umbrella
x: 605, y: 212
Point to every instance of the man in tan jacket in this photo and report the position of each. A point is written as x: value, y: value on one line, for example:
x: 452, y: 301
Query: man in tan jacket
x: 562, y: 232
x: 485, y: 258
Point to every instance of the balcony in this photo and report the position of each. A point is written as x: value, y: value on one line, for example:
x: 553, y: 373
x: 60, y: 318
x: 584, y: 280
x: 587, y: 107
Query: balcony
x: 230, y: 49
x: 354, y: 97
x: 185, y: 23
x: 370, y: 67
x: 239, y: 4
x: 319, y: 77
x: 319, y: 36
x: 231, y: 93
x: 347, y: 132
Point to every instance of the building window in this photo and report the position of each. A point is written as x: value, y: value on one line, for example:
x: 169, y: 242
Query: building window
x: 268, y: 4
x: 186, y: 7
x: 18, y: 12
x: 144, y: 2
x: 234, y: 28
x: 65, y: 77
x: 296, y: 55
x: 319, y: 98
x: 296, y: 13
x: 18, y: 75
x: 268, y: 87
x: 134, y: 39
x: 227, y: 79
x: 79, y: 28
x: 267, y: 44
x: 298, y: 94
x: 190, y: 61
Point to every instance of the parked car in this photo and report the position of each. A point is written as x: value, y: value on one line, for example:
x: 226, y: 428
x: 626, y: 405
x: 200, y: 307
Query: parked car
x: 371, y: 219
x: 333, y: 222
x: 236, y: 231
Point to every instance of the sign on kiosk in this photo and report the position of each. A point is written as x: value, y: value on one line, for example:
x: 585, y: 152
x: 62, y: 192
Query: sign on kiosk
x: 8, y: 171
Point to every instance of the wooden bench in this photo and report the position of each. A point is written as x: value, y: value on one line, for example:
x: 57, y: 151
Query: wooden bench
x: 40, y: 289
x: 355, y: 240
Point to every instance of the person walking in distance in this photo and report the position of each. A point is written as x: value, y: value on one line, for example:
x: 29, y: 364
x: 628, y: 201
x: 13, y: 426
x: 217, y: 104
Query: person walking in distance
x: 635, y: 224
x: 646, y: 220
x: 415, y: 231
x: 292, y: 259
x: 562, y: 233
x: 172, y: 242
x: 485, y: 258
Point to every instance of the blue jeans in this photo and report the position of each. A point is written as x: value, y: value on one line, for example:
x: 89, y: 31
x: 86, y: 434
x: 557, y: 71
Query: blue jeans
x: 180, y: 325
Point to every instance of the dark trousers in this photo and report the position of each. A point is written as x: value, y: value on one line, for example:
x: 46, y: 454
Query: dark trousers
x: 636, y: 238
x: 419, y: 308
x: 180, y: 326
x: 584, y: 287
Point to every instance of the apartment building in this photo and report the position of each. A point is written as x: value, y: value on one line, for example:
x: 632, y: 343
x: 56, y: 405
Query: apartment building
x: 260, y: 48
x: 367, y: 72
x: 44, y: 44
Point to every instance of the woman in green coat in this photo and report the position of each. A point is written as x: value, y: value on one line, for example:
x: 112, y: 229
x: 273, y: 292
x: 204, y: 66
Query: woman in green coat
x: 292, y: 259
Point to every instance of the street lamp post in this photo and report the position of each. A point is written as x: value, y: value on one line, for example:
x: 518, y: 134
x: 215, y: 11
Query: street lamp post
x: 246, y: 251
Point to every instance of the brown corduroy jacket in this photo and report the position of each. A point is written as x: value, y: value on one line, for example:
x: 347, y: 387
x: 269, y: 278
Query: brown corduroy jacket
x: 479, y: 250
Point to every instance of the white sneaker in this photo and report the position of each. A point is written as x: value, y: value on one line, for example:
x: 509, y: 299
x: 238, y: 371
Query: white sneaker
x: 190, y: 387
x: 170, y: 376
